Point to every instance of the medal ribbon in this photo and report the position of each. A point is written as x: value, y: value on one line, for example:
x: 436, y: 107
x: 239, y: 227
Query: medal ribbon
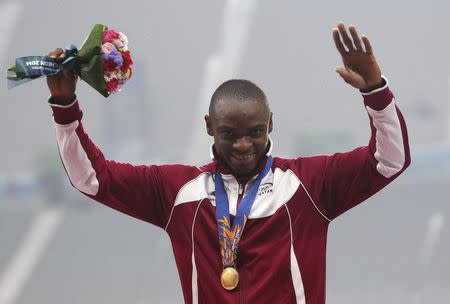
x: 230, y: 235
x: 32, y: 67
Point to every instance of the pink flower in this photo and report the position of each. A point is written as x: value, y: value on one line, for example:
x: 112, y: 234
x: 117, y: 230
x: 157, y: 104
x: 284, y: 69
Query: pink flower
x: 107, y: 47
x: 110, y: 35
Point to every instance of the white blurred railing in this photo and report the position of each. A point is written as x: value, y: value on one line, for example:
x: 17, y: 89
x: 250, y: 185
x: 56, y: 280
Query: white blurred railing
x: 222, y: 65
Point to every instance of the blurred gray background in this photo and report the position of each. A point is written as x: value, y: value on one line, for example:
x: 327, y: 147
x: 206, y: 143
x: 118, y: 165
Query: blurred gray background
x: 58, y: 247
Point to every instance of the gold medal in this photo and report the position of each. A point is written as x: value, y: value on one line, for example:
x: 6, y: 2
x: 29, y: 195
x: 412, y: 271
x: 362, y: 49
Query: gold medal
x: 229, y: 278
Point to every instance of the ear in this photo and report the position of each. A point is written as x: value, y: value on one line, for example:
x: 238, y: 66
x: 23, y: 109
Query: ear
x: 208, y: 122
x: 270, y: 122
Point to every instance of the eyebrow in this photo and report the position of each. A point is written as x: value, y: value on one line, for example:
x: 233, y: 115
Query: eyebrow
x: 226, y: 127
x: 258, y: 126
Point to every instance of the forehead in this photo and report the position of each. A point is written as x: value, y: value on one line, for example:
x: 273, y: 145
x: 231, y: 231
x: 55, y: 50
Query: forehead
x: 239, y: 113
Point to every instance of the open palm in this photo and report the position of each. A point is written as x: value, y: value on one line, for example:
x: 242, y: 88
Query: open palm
x: 360, y: 69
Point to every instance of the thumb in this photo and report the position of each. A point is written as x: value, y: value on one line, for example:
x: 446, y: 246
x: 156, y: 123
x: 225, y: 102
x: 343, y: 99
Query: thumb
x: 344, y: 73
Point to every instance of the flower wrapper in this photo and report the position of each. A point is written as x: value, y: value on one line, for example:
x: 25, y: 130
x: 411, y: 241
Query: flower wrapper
x: 103, y: 62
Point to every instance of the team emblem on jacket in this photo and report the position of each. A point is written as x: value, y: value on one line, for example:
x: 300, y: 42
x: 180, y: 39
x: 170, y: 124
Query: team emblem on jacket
x: 265, y: 188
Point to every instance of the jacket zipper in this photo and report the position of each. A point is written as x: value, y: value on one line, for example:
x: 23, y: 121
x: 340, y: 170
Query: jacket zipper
x: 241, y: 189
x: 240, y: 194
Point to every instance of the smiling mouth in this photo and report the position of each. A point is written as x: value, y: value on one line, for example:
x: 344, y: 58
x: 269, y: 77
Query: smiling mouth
x: 243, y: 156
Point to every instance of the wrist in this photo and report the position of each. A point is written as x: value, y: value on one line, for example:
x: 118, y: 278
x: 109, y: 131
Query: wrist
x: 62, y: 100
x: 380, y: 98
x: 374, y: 86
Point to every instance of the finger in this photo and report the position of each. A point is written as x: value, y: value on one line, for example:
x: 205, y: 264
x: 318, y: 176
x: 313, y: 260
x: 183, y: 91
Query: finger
x: 338, y: 42
x: 355, y: 37
x: 367, y: 45
x: 347, y: 41
x: 344, y: 73
x: 56, y: 53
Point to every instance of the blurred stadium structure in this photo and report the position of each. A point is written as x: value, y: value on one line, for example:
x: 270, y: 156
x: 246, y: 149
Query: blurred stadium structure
x: 58, y: 247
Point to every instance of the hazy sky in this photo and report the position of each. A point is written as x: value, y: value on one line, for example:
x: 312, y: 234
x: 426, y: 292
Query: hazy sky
x: 182, y: 50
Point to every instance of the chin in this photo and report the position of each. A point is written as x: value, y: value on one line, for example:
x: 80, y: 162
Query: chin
x: 244, y: 171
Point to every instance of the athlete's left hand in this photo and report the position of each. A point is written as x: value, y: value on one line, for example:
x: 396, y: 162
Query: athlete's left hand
x: 360, y: 69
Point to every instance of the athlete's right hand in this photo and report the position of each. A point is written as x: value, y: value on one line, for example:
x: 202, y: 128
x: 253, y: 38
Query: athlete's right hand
x: 62, y: 85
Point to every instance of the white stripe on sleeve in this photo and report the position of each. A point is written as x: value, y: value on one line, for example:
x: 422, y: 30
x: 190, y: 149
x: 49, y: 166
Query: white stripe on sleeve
x: 76, y: 162
x: 390, y: 151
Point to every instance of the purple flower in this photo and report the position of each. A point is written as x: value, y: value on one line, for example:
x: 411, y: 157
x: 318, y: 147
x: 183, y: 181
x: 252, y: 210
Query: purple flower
x: 110, y: 53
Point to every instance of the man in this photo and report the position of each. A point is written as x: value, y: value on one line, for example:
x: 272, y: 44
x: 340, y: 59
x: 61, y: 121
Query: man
x: 272, y: 247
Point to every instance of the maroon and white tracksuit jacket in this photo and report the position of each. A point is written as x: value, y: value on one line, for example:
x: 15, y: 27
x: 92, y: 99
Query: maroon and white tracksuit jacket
x: 281, y: 257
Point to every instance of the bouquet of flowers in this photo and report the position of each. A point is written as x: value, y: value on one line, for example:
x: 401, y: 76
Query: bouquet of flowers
x: 116, y: 60
x: 103, y: 61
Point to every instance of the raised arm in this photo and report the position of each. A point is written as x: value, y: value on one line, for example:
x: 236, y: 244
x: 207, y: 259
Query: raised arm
x: 140, y: 191
x: 341, y: 181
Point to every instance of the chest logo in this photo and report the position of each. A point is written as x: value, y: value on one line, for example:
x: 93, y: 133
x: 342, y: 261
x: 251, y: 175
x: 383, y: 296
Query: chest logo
x: 265, y: 188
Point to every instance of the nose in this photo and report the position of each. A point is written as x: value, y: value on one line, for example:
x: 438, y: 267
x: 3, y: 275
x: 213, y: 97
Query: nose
x: 242, y: 144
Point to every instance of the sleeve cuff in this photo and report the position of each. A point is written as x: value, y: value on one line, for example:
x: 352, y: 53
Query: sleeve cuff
x: 66, y: 114
x: 379, y: 98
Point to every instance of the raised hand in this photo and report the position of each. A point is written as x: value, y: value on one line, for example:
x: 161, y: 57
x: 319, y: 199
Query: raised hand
x: 360, y: 69
x: 62, y: 85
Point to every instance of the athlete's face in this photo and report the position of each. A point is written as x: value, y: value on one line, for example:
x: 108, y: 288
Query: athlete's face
x: 240, y: 130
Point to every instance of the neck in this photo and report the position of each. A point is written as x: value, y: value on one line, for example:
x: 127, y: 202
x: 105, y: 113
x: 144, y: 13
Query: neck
x: 242, y: 178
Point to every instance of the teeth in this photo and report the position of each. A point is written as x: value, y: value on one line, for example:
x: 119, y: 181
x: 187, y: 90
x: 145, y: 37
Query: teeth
x: 243, y: 156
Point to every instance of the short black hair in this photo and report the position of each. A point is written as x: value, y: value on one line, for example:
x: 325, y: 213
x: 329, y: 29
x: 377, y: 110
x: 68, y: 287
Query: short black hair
x: 239, y: 90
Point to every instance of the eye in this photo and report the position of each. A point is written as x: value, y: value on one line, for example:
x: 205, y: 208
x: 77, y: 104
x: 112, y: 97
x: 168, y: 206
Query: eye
x: 227, y: 134
x: 257, y: 132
